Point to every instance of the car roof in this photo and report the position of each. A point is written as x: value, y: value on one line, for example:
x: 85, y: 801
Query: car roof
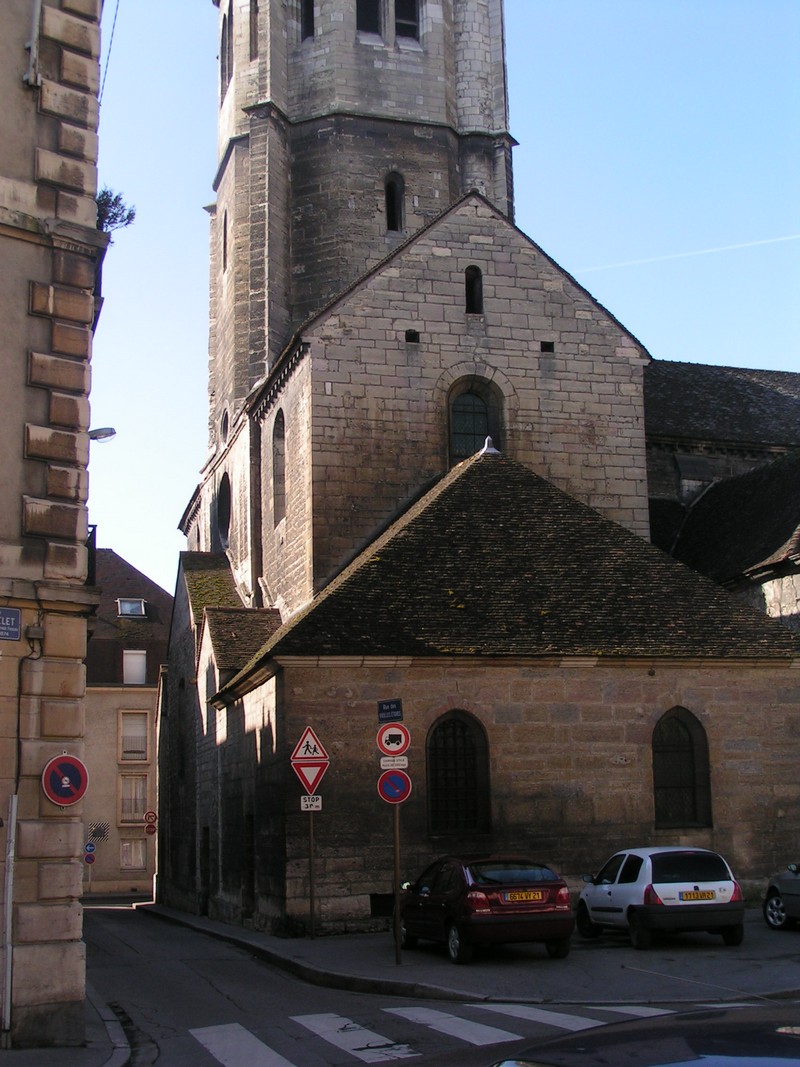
x: 658, y: 849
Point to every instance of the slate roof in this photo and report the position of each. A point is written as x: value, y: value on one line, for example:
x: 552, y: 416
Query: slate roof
x: 745, y: 524
x: 238, y: 633
x: 116, y: 578
x: 209, y: 581
x: 723, y: 404
x: 495, y: 561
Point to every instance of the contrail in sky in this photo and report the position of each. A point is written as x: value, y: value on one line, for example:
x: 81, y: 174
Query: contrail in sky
x: 686, y: 255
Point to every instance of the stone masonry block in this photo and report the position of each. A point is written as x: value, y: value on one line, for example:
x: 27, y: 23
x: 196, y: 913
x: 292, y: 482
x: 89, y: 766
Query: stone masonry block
x: 49, y: 973
x: 77, y: 142
x: 62, y: 718
x: 59, y: 880
x: 66, y: 562
x: 35, y: 923
x: 70, y: 104
x: 68, y: 483
x: 43, y: 518
x: 43, y: 442
x: 73, y: 269
x: 72, y: 174
x: 70, y: 340
x: 49, y: 840
x: 89, y: 9
x: 55, y: 373
x: 71, y: 31
x: 80, y: 71
x: 81, y: 210
x: 65, y: 636
x: 69, y: 411
x: 70, y: 304
x: 54, y: 678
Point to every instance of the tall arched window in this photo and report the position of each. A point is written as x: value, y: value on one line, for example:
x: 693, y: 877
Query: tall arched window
x: 279, y: 468
x: 395, y: 195
x: 406, y: 18
x: 224, y: 510
x: 306, y: 19
x: 254, y: 29
x: 458, y: 776
x: 226, y: 52
x: 368, y: 16
x: 473, y: 290
x: 474, y: 412
x: 681, y: 780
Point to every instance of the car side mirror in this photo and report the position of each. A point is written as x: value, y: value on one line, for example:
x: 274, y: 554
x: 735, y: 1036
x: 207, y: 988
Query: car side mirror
x: 405, y: 886
x: 792, y: 867
x: 588, y: 878
x: 424, y: 890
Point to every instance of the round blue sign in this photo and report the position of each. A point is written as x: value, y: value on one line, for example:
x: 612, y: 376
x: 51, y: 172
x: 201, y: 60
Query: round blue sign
x: 394, y: 787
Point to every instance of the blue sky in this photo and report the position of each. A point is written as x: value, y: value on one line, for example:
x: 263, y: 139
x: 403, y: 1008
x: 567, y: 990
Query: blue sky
x: 658, y: 162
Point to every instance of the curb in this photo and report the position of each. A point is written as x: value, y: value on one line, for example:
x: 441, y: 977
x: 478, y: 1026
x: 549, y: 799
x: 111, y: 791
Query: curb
x: 121, y: 1050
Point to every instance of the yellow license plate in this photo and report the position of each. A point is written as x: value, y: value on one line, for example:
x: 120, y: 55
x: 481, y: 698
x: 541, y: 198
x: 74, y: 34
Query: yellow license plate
x: 516, y: 895
x: 703, y: 894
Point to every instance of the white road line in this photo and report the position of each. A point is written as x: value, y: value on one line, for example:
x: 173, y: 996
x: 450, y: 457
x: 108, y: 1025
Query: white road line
x: 364, y: 1044
x: 539, y: 1015
x: 473, y: 1033
x: 234, y: 1046
x: 631, y: 1009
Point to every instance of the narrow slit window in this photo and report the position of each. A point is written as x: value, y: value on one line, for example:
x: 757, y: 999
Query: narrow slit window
x: 279, y: 468
x: 406, y: 19
x: 395, y: 195
x: 306, y: 19
x: 368, y: 16
x: 253, y: 29
x: 473, y: 288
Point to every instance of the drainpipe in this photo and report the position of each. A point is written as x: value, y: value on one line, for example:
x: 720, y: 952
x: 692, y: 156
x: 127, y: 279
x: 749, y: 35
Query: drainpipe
x: 32, y: 76
x: 8, y: 890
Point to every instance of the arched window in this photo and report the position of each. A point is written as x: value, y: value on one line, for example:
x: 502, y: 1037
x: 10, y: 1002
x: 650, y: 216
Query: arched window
x: 681, y: 781
x: 395, y: 195
x: 406, y: 18
x: 368, y: 16
x: 306, y: 19
x: 473, y: 290
x: 279, y: 468
x: 226, y: 52
x: 225, y: 240
x: 474, y: 413
x: 253, y: 29
x: 458, y: 776
x: 224, y: 510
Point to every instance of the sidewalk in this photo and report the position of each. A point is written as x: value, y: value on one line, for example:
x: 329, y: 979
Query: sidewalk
x: 764, y: 966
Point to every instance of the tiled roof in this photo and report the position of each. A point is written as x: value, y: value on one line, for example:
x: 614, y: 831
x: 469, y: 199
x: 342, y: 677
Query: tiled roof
x: 209, y: 581
x: 746, y: 523
x: 722, y: 404
x: 116, y: 578
x: 495, y: 561
x: 238, y: 633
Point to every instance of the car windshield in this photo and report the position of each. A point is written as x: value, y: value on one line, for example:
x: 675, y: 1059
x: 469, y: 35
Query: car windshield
x: 689, y: 867
x: 510, y: 872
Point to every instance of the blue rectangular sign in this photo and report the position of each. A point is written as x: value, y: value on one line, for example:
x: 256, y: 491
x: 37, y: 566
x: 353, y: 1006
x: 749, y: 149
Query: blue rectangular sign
x: 10, y: 624
x: 390, y: 711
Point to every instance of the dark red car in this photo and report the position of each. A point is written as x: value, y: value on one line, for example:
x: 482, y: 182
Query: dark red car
x: 490, y: 900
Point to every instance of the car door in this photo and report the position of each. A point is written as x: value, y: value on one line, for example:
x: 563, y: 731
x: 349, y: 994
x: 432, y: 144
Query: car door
x: 790, y: 891
x: 598, y: 894
x: 418, y: 908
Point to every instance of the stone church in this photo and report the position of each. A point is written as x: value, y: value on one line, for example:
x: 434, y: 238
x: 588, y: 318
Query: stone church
x: 427, y: 490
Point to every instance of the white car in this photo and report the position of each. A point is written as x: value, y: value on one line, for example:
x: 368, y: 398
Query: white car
x: 645, y: 890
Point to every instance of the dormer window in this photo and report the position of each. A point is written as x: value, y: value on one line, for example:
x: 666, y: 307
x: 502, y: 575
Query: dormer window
x: 131, y: 607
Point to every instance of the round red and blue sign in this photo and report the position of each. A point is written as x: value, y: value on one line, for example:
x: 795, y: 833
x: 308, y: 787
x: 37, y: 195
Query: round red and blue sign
x: 394, y: 787
x: 64, y: 780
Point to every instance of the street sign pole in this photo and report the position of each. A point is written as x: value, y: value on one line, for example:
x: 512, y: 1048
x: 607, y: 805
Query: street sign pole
x: 311, y: 896
x: 398, y: 957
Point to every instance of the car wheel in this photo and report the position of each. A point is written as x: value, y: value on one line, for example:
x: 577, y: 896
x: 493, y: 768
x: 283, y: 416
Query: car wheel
x: 457, y: 949
x: 775, y: 912
x: 641, y: 937
x: 407, y: 940
x: 586, y: 928
x: 557, y: 950
x: 733, y: 935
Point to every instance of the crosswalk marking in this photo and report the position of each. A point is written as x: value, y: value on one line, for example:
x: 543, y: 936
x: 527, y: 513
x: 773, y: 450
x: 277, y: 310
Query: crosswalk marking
x: 539, y: 1015
x: 234, y: 1046
x: 365, y: 1045
x: 473, y: 1033
x: 640, y: 1012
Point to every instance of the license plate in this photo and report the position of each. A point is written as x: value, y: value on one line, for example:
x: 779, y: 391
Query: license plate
x: 515, y: 895
x: 703, y: 894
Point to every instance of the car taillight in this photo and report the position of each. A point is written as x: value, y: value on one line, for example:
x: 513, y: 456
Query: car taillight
x: 651, y: 897
x: 562, y: 898
x: 737, y: 893
x: 478, y: 902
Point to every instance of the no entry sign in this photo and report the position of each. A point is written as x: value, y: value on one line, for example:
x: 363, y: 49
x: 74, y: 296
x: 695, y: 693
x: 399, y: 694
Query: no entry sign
x: 64, y: 780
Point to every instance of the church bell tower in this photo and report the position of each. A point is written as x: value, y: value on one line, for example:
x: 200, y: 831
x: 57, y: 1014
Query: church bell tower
x: 344, y: 126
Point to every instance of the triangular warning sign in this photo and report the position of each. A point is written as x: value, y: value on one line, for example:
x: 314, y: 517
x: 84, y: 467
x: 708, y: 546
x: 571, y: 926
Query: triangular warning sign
x: 309, y: 748
x: 310, y: 772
